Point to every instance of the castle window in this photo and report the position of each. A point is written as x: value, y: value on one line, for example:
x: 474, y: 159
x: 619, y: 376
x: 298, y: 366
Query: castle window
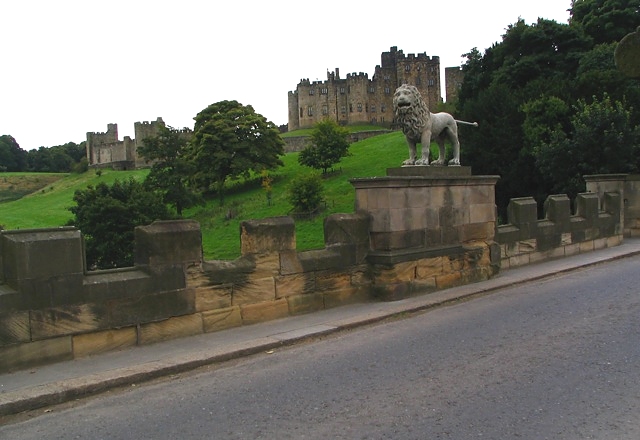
x: 359, y: 107
x: 383, y: 108
x: 431, y: 83
x: 301, y: 112
x: 418, y: 81
x: 373, y: 108
x: 387, y: 78
x: 343, y: 109
x: 324, y: 90
x: 350, y: 108
x: 372, y: 89
x: 325, y: 110
x: 407, y: 68
x: 312, y: 91
x: 342, y: 90
x: 310, y: 111
x: 387, y: 90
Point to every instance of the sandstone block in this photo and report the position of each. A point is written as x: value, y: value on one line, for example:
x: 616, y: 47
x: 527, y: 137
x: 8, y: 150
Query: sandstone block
x: 15, y: 357
x: 101, y: 342
x: 265, y: 311
x: 254, y: 291
x: 171, y: 328
x: 216, y: 320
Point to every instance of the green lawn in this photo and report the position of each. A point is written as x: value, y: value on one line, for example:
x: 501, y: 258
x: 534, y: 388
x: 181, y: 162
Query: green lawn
x: 220, y: 225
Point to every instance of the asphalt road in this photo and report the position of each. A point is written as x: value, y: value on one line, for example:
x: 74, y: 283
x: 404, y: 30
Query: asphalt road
x: 558, y: 359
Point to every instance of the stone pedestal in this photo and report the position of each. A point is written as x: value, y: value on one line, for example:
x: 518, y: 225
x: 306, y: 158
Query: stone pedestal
x: 428, y: 212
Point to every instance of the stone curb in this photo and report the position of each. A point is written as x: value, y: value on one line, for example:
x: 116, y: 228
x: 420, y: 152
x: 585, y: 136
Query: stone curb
x: 62, y: 391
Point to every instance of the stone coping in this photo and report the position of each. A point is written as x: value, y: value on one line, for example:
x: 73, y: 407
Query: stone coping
x: 403, y: 255
x: 419, y: 181
x: 430, y: 171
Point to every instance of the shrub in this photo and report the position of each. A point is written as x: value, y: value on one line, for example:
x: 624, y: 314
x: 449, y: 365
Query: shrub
x: 306, y: 192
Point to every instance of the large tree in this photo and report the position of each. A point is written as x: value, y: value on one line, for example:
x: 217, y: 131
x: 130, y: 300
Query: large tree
x: 107, y: 216
x: 329, y: 143
x: 231, y: 140
x: 12, y: 157
x: 170, y: 170
x: 522, y: 92
x: 606, y: 21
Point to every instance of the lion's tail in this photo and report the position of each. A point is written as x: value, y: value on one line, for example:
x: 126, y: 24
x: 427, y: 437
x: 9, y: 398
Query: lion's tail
x: 473, y: 124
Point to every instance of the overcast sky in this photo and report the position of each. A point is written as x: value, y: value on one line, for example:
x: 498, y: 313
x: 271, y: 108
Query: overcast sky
x: 71, y: 67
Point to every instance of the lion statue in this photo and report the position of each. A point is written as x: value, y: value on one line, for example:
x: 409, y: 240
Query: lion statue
x: 419, y: 125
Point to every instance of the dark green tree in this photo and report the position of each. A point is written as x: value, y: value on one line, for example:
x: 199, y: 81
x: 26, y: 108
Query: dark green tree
x: 329, y: 144
x: 12, y: 157
x: 605, y: 21
x: 107, y: 215
x: 170, y: 170
x: 601, y: 140
x: 231, y: 140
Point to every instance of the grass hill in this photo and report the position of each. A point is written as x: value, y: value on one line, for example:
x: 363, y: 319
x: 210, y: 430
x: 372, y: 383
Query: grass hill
x: 220, y: 225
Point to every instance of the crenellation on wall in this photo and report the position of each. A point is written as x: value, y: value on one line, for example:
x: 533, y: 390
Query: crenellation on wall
x: 442, y: 233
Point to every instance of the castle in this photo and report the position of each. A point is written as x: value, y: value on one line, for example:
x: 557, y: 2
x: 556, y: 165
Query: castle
x: 353, y: 100
x: 358, y: 99
x: 105, y: 150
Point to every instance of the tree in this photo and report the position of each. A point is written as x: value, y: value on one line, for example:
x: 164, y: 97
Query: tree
x: 231, y: 140
x: 170, y: 170
x: 329, y: 144
x: 107, y: 215
x: 606, y: 21
x: 602, y: 140
x: 12, y: 157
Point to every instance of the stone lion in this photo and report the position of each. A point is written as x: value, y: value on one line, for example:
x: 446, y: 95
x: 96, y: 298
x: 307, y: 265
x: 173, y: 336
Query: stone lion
x: 421, y: 126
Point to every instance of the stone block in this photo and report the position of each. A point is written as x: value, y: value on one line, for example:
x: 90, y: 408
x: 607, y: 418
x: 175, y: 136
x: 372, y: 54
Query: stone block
x: 556, y: 252
x: 301, y: 304
x: 404, y: 271
x: 254, y: 291
x: 557, y: 209
x: 211, y: 298
x: 149, y: 308
x: 392, y: 291
x: 101, y: 286
x: 587, y: 206
x: 216, y: 320
x: 572, y: 249
x: 336, y: 257
x: 18, y: 356
x: 519, y: 260
x: 41, y: 254
x: 522, y: 211
x: 104, y: 341
x: 224, y: 272
x: 290, y: 263
x: 292, y: 285
x: 428, y: 268
x: 332, y: 280
x: 482, y: 213
x: 14, y: 327
x: 586, y: 246
x: 424, y: 285
x: 361, y: 277
x: 172, y: 328
x: 449, y: 280
x: 477, y: 231
x: 168, y: 242
x: 67, y: 320
x: 353, y: 295
x: 265, y: 311
x: 268, y: 235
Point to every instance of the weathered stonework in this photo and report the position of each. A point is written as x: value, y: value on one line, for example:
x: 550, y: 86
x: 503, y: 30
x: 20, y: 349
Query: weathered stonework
x: 411, y: 235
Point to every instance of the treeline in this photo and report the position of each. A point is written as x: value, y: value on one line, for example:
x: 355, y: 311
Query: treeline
x: 70, y: 157
x: 551, y: 105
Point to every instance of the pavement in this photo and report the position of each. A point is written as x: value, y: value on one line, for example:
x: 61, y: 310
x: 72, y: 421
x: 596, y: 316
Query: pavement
x: 43, y: 386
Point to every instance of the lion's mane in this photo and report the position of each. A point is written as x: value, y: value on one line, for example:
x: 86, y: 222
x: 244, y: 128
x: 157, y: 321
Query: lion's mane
x: 414, y: 118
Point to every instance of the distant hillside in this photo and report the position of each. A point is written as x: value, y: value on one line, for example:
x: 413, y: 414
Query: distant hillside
x: 48, y: 205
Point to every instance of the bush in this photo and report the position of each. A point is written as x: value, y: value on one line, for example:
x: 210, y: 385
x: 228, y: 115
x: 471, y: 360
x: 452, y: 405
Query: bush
x: 107, y: 216
x: 306, y: 193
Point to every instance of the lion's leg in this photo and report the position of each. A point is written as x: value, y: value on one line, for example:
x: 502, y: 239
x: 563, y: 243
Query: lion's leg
x: 412, y: 153
x: 425, y: 144
x: 441, y: 152
x: 453, y: 136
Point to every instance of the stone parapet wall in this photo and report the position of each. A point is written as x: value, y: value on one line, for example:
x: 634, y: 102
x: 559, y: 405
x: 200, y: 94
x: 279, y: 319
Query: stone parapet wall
x: 527, y: 239
x: 416, y: 230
